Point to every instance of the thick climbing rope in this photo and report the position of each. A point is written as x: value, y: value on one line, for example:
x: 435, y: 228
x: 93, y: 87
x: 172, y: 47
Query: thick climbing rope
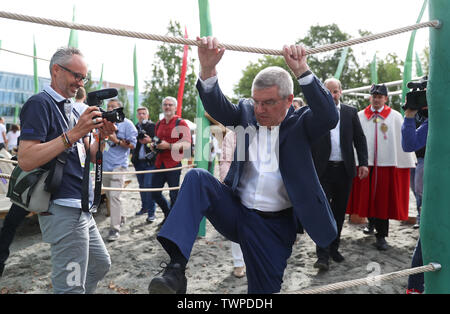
x: 190, y: 42
x: 371, y: 280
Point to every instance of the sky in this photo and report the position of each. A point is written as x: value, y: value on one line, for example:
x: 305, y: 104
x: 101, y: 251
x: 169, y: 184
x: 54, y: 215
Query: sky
x: 255, y: 23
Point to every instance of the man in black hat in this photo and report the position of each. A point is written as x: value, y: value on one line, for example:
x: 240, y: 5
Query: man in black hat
x: 384, y: 194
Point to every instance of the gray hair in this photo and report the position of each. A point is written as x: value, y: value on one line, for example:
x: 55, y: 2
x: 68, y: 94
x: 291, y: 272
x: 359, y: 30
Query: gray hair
x: 142, y: 108
x: 171, y: 99
x: 274, y: 76
x: 116, y: 100
x: 333, y: 80
x: 299, y: 101
x: 63, y: 55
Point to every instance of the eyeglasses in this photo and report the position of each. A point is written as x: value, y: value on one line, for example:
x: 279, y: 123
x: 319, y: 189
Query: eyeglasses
x: 78, y: 76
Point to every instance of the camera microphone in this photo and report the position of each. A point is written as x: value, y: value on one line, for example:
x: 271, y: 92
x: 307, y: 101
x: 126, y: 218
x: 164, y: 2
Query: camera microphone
x: 95, y: 98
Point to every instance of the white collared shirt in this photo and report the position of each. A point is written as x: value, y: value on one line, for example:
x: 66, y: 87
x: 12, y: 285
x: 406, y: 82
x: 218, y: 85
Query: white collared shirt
x: 261, y: 186
x: 335, y: 134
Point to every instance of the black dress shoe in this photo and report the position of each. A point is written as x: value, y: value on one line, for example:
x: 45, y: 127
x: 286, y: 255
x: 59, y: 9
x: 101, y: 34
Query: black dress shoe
x: 337, y: 257
x: 381, y: 244
x: 368, y: 230
x: 322, y: 264
x: 173, y: 281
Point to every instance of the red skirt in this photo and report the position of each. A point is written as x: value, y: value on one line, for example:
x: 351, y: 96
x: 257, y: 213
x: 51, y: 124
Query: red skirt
x: 383, y: 194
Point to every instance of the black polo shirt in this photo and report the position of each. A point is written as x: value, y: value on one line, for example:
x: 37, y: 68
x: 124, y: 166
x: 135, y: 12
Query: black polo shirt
x: 42, y: 118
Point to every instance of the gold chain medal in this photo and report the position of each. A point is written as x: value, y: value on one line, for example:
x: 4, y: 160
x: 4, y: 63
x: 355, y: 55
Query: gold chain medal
x: 384, y: 129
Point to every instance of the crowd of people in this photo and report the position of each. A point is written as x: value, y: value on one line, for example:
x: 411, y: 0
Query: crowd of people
x: 287, y: 164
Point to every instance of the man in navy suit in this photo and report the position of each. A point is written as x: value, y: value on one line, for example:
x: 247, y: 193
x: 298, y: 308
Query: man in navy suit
x: 271, y: 184
x: 334, y: 159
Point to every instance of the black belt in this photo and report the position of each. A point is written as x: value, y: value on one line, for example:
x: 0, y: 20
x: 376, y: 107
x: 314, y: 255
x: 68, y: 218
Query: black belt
x: 335, y: 163
x: 281, y: 213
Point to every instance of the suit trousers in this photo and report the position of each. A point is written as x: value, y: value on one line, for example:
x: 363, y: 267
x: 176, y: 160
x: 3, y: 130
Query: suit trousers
x: 337, y: 186
x: 266, y: 242
x: 145, y: 182
x: 16, y: 215
x: 158, y: 180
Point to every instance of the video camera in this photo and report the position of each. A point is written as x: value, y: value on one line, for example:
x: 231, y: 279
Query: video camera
x: 96, y: 98
x: 417, y: 98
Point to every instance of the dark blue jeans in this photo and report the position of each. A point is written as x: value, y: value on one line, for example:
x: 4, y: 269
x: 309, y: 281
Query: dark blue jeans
x: 12, y: 221
x: 145, y: 182
x: 417, y: 281
x: 158, y: 180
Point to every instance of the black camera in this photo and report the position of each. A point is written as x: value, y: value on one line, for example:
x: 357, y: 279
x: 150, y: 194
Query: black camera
x: 146, y: 128
x: 96, y: 98
x: 150, y: 157
x: 417, y: 98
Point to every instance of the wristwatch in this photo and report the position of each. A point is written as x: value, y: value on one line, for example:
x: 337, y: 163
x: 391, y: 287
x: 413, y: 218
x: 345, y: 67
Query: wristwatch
x: 304, y: 74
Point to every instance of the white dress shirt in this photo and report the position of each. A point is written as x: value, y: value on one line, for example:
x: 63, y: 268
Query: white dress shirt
x: 261, y: 186
x: 335, y: 135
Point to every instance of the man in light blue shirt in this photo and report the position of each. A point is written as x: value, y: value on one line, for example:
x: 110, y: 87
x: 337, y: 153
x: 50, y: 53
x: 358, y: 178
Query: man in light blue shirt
x: 115, y: 159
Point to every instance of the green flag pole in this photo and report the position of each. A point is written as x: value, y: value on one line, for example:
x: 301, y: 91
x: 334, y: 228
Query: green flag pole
x: 373, y: 70
x: 35, y: 71
x: 435, y: 215
x: 341, y: 64
x: 202, y: 137
x: 73, y: 38
x: 419, y: 70
x: 100, y: 82
x: 136, y: 87
x: 407, y: 69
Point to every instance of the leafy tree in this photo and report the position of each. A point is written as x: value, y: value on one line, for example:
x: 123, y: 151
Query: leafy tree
x: 165, y: 78
x: 323, y: 65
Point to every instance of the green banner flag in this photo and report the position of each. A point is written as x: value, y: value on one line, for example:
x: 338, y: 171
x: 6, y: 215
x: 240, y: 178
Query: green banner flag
x: 373, y: 70
x: 202, y: 136
x: 73, y: 39
x: 100, y: 82
x: 407, y: 69
x: 36, y: 79
x: 136, y: 87
x: 341, y: 64
x: 419, y: 70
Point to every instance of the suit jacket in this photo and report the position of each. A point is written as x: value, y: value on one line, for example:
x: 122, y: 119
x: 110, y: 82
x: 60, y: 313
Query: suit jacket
x: 297, y: 131
x: 351, y: 133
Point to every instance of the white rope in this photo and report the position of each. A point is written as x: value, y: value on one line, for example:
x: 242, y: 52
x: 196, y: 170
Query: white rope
x: 124, y: 173
x: 9, y: 161
x: 7, y: 176
x: 141, y: 190
x: 370, y: 280
x: 190, y: 42
x: 146, y: 171
x: 23, y: 54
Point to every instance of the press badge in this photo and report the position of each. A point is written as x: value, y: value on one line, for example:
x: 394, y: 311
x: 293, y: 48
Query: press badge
x: 81, y: 153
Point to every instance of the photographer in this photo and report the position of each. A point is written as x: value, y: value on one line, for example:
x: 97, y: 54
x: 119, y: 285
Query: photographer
x: 146, y: 132
x: 50, y: 126
x: 115, y: 159
x: 175, y: 138
x: 414, y: 139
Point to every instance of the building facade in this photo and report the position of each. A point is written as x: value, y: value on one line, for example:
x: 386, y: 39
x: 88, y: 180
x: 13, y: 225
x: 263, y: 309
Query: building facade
x: 15, y: 89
